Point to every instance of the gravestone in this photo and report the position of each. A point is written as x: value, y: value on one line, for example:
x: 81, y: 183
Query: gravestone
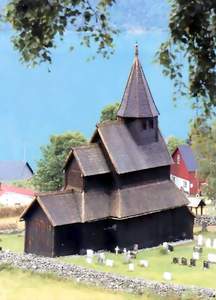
x: 109, y: 263
x: 170, y: 248
x: 101, y: 258
x: 206, y: 264
x: 117, y: 250
x: 89, y: 253
x: 184, y: 261
x: 193, y: 262
x: 200, y: 240
x: 167, y: 276
x: 208, y: 243
x: 127, y: 258
x: 131, y: 267
x: 175, y: 260
x: 89, y: 260
x: 196, y: 255
x: 144, y: 263
x: 135, y: 247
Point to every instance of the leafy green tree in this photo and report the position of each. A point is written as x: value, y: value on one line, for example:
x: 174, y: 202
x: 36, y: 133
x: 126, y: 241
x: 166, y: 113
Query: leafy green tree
x: 173, y: 142
x: 109, y: 113
x: 49, y: 175
x: 192, y: 39
x: 38, y: 24
x: 203, y: 141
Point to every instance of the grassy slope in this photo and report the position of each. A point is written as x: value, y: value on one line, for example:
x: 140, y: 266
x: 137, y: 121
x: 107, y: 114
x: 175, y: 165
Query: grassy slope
x: 17, y: 285
x: 158, y: 263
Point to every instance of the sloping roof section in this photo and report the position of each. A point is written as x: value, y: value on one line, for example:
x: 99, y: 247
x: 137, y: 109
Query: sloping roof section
x: 15, y: 170
x: 137, y: 101
x: 150, y: 198
x: 60, y: 208
x: 188, y: 157
x: 90, y: 159
x: 126, y: 155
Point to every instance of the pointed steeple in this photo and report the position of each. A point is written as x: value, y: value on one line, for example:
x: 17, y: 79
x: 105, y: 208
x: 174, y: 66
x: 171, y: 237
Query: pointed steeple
x: 137, y: 101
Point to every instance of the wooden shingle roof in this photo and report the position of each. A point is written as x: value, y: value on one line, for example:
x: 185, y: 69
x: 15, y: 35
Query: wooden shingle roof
x: 90, y: 159
x: 126, y: 155
x: 137, y: 101
x: 150, y: 198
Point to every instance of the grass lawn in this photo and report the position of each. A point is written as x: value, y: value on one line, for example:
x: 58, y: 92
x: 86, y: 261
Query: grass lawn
x: 158, y: 263
x: 18, y: 285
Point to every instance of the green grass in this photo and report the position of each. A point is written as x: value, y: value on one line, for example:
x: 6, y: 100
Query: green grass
x: 158, y: 263
x: 19, y: 285
x: 13, y: 242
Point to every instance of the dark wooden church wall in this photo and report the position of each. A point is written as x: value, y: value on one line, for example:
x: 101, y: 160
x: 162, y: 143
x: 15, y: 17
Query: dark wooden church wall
x: 98, y: 182
x: 73, y: 176
x: 67, y: 239
x: 144, y: 176
x: 39, y: 233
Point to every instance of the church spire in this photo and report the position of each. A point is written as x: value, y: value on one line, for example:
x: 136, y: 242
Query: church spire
x: 137, y: 101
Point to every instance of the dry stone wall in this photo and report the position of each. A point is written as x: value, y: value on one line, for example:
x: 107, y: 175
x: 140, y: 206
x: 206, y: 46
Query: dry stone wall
x: 208, y: 220
x: 110, y: 281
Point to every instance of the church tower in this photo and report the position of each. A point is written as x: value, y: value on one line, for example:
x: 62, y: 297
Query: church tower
x: 138, y: 109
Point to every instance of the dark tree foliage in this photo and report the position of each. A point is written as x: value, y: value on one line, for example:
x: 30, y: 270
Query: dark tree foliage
x: 192, y: 27
x: 174, y: 142
x: 38, y: 23
x: 109, y: 113
x: 49, y: 174
x: 203, y: 141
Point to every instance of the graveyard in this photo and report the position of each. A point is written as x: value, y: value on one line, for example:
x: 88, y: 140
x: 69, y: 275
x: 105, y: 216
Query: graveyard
x: 155, y: 261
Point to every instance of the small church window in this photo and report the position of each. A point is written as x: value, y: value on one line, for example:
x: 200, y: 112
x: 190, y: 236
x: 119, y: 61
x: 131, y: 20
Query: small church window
x: 178, y: 159
x: 151, y: 124
x: 145, y: 124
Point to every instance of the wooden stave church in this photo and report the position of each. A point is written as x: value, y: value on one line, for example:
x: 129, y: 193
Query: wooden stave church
x: 117, y: 189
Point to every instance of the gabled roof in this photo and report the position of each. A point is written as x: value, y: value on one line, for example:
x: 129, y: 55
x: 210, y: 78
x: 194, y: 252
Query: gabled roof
x: 124, y: 153
x: 150, y: 198
x: 61, y: 208
x: 196, y: 202
x: 15, y: 170
x: 188, y: 157
x: 69, y: 207
x: 137, y: 101
x: 90, y: 159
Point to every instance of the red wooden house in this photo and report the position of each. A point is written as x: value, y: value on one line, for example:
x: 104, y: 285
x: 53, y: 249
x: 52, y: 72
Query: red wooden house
x: 184, y: 170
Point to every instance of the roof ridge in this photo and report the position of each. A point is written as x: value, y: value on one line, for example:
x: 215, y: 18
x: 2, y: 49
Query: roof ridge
x: 68, y: 191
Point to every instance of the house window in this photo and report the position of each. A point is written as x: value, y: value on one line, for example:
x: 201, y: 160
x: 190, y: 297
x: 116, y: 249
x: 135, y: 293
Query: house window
x: 178, y: 159
x: 185, y: 184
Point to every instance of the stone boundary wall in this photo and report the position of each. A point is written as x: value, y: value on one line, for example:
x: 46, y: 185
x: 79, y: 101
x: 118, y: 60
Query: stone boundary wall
x: 209, y: 220
x: 109, y: 281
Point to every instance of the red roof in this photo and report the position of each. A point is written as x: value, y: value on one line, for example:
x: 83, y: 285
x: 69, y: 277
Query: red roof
x: 4, y: 188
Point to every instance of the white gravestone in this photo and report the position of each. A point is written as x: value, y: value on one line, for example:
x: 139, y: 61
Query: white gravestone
x: 196, y: 255
x: 124, y: 250
x: 109, y: 263
x: 144, y: 263
x: 200, y: 240
x: 117, y: 250
x: 208, y: 243
x: 131, y: 267
x: 90, y: 253
x: 212, y: 258
x: 167, y: 276
x: 165, y: 245
x: 89, y: 260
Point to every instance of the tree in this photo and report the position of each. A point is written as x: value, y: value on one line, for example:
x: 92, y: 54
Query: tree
x: 109, y: 113
x: 173, y: 142
x: 192, y: 38
x: 49, y: 175
x: 38, y: 24
x: 203, y: 141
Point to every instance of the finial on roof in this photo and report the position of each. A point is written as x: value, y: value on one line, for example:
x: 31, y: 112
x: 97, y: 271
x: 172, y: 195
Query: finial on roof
x: 136, y: 49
